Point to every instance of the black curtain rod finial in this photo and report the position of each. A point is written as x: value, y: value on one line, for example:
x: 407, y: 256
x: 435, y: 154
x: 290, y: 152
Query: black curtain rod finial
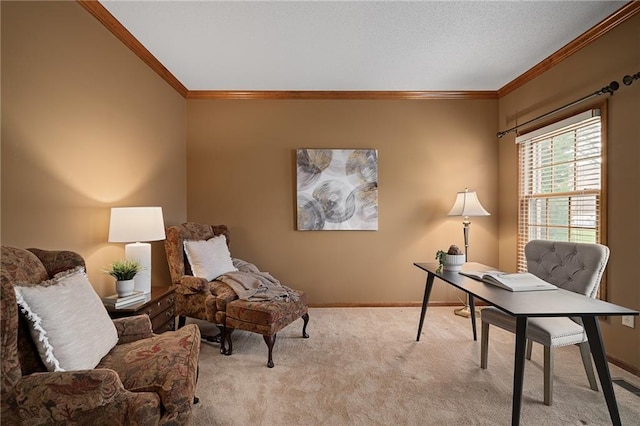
x: 628, y: 79
x: 612, y: 87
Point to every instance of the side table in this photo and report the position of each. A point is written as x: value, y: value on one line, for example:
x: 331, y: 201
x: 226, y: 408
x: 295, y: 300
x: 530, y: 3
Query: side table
x: 159, y: 306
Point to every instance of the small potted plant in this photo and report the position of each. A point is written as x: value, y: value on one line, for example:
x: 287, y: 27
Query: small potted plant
x: 124, y: 271
x: 450, y: 260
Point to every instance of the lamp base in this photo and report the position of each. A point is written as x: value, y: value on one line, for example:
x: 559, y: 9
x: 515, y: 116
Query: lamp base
x: 465, y: 312
x: 142, y: 253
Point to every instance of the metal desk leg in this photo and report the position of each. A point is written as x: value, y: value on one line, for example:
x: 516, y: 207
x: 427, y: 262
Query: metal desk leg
x: 472, y: 306
x: 425, y: 301
x: 518, y: 369
x: 596, y: 344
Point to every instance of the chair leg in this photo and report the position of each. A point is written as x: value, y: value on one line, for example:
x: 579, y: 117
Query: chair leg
x: 529, y: 349
x: 548, y: 375
x: 305, y: 318
x: 484, y: 345
x: 195, y: 398
x: 270, y: 340
x: 585, y: 353
x: 226, y: 339
x: 223, y: 345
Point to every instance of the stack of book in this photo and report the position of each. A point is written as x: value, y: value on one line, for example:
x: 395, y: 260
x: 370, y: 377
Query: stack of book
x: 114, y: 301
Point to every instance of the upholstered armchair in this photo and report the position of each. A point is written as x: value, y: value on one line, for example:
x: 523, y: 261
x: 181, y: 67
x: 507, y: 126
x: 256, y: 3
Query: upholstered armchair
x: 576, y: 267
x: 144, y: 379
x: 216, y: 301
x: 196, y: 297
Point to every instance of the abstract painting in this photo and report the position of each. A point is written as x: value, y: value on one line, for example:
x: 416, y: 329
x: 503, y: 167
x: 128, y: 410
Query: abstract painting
x: 337, y: 189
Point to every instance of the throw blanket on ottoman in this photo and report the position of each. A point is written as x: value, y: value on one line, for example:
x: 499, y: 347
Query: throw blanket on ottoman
x: 251, y: 284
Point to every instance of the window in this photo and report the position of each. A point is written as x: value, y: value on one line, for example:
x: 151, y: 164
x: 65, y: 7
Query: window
x: 561, y: 187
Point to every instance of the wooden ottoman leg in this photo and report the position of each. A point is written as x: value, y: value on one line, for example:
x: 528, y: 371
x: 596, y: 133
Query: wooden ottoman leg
x: 223, y: 339
x: 226, y: 339
x: 305, y: 318
x: 195, y: 398
x: 270, y: 340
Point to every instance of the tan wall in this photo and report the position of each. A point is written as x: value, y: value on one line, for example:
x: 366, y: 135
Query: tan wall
x: 241, y: 157
x: 86, y: 125
x: 610, y: 58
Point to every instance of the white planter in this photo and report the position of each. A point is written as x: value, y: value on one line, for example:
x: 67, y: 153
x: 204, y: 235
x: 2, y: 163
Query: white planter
x: 124, y: 288
x: 453, y: 262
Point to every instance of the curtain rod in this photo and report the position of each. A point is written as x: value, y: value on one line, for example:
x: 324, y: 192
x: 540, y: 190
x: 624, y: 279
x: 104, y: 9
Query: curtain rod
x: 612, y: 87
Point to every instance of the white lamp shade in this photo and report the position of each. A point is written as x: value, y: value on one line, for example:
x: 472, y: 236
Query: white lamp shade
x: 467, y: 204
x: 129, y: 224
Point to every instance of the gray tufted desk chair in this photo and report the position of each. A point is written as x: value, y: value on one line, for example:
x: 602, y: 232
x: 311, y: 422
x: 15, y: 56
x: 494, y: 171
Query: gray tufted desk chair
x: 576, y: 267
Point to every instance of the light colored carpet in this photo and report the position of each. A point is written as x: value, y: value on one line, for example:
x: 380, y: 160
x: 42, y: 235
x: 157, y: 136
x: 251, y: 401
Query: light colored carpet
x: 362, y: 366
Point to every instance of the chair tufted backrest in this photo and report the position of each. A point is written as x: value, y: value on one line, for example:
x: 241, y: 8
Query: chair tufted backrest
x: 174, y: 248
x: 577, y: 267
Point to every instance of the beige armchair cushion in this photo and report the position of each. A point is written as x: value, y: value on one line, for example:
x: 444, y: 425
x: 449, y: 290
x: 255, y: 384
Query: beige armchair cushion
x: 67, y: 321
x: 209, y: 258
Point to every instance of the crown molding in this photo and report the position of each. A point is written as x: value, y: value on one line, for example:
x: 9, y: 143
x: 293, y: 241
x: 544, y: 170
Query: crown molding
x: 339, y: 95
x: 112, y: 24
x: 618, y: 17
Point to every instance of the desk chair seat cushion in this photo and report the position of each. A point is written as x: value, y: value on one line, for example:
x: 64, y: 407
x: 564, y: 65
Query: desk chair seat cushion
x: 552, y: 332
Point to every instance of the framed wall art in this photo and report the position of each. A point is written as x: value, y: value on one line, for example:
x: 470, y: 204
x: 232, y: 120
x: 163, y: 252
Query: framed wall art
x: 337, y: 189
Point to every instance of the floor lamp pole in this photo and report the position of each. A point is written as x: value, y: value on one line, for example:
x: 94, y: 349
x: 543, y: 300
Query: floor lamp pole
x: 467, y: 205
x: 466, y: 310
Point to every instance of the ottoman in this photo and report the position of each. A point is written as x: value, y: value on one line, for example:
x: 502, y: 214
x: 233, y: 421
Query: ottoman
x: 263, y: 317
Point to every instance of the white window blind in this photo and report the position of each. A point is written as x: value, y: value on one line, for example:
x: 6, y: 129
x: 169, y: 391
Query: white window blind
x: 561, y: 182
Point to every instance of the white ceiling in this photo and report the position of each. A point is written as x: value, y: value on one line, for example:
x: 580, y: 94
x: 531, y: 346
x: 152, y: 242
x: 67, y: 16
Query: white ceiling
x: 354, y: 45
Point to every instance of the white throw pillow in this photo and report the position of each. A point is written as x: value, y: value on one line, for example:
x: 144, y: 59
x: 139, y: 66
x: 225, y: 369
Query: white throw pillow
x: 68, y: 321
x: 209, y: 259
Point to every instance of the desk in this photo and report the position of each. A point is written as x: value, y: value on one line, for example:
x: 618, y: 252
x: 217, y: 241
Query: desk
x: 522, y: 305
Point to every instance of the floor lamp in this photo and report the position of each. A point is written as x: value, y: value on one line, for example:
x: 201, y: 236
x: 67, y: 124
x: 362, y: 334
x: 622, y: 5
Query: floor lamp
x: 467, y: 205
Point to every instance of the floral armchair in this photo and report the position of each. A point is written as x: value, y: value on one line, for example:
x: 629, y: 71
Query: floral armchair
x: 196, y: 297
x: 145, y: 379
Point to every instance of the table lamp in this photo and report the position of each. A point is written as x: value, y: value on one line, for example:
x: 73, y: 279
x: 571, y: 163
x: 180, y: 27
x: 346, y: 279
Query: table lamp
x: 139, y: 224
x: 467, y: 205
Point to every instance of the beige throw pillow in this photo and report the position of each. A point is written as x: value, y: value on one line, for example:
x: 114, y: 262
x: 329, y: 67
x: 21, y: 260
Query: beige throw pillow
x: 68, y: 321
x: 209, y: 259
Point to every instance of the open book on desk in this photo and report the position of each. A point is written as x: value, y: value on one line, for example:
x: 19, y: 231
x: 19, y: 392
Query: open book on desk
x: 524, y: 281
